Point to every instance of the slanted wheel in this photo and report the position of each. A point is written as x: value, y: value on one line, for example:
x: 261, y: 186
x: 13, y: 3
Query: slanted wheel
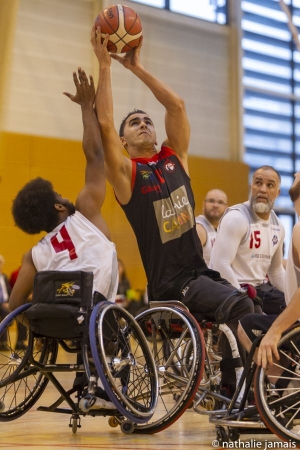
x: 178, y: 349
x: 123, y: 361
x: 20, y: 384
x: 112, y: 422
x: 279, y: 408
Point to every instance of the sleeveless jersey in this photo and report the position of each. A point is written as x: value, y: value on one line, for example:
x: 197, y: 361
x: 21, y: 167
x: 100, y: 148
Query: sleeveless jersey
x: 257, y: 247
x: 211, y: 234
x: 292, y: 276
x: 76, y: 244
x: 161, y: 213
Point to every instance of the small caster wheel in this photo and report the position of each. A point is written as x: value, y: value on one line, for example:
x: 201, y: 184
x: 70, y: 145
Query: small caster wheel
x: 74, y: 426
x: 127, y: 427
x: 222, y: 436
x: 112, y: 422
x: 234, y: 434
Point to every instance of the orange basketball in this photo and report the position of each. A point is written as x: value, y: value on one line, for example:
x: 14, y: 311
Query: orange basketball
x: 123, y: 25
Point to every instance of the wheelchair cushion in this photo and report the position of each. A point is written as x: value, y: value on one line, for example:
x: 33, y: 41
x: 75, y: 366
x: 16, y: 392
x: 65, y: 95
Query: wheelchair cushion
x: 56, y: 302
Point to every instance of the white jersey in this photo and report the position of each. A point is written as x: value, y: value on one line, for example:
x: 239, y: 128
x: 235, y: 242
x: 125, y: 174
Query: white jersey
x: 249, y: 257
x: 292, y: 279
x: 77, y: 244
x: 211, y: 234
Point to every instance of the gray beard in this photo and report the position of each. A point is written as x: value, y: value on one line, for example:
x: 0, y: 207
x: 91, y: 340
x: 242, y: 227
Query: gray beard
x: 261, y: 208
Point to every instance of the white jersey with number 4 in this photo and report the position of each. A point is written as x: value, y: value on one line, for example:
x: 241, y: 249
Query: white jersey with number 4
x: 77, y: 244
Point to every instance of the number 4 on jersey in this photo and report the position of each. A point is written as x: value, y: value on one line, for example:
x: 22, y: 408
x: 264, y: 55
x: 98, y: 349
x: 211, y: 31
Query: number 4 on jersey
x: 65, y: 244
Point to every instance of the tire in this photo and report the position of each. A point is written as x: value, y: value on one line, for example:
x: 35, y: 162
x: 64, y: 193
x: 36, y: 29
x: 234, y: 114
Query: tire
x: 178, y: 348
x: 123, y: 361
x: 279, y: 410
x: 21, y: 385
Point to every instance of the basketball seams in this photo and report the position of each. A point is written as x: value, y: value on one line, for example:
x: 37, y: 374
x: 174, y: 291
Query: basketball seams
x: 118, y: 22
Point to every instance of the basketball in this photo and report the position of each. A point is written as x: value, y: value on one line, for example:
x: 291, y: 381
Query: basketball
x: 123, y: 25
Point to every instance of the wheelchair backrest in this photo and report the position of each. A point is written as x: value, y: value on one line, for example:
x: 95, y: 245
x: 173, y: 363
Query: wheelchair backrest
x: 61, y: 302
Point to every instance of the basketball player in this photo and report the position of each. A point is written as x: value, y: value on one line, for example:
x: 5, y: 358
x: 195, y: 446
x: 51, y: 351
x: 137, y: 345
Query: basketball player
x: 207, y: 223
x: 254, y: 325
x: 248, y: 246
x: 153, y: 188
x: 77, y: 236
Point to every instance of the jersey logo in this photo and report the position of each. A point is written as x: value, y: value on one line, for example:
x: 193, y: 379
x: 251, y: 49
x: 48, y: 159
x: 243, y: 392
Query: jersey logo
x: 147, y: 189
x: 146, y: 174
x: 275, y: 239
x: 169, y: 166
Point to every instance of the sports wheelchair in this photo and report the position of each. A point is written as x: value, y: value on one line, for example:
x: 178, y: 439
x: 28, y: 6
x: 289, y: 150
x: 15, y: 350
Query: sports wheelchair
x: 109, y: 349
x: 187, y: 355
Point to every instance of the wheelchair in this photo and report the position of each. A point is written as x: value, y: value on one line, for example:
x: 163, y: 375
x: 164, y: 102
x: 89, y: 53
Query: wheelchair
x: 187, y: 356
x: 108, y: 348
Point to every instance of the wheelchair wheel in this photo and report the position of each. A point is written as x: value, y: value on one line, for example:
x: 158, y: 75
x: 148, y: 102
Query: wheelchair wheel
x: 178, y: 349
x: 279, y: 408
x: 20, y: 384
x: 123, y: 361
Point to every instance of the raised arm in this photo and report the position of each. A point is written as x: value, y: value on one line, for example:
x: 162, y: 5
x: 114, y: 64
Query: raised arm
x: 91, y: 197
x: 118, y: 166
x: 176, y: 120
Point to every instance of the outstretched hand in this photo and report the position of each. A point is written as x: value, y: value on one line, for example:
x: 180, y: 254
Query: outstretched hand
x: 85, y: 89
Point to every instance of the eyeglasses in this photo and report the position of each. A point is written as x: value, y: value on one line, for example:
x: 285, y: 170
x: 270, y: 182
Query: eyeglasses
x: 218, y: 202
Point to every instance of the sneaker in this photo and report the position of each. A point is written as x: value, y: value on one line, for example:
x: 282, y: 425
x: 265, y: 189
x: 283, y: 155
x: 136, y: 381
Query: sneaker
x: 99, y: 403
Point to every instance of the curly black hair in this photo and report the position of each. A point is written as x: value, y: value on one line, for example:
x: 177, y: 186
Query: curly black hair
x: 122, y: 126
x: 33, y: 208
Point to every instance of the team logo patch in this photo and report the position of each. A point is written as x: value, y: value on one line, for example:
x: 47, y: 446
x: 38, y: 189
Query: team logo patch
x: 67, y: 289
x: 275, y: 239
x: 169, y: 166
x: 146, y: 174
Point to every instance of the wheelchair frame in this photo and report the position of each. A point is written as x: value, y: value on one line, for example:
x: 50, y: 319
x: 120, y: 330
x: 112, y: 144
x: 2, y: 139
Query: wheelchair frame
x: 122, y: 361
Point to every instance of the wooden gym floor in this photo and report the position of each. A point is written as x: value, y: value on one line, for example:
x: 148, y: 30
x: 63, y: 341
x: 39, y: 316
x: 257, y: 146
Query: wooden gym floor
x: 44, y: 430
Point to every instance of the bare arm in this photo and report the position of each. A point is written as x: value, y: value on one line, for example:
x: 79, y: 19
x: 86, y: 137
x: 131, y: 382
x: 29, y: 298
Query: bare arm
x: 118, y: 166
x: 176, y: 120
x: 91, y: 197
x: 201, y: 233
x: 268, y: 345
x: 24, y: 283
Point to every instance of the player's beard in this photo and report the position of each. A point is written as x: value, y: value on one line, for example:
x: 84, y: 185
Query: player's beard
x: 295, y: 192
x: 261, y: 207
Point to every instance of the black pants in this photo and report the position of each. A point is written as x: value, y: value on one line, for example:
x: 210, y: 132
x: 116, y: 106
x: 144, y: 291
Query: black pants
x: 204, y: 296
x: 272, y: 298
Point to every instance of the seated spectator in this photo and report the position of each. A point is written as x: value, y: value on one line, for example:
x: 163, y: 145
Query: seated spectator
x: 207, y: 223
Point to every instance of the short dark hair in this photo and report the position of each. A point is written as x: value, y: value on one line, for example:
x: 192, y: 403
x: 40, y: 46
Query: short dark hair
x: 33, y: 208
x: 266, y: 167
x: 122, y: 126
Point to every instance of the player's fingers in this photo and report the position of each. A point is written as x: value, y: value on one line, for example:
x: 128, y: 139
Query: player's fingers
x: 92, y: 82
x: 82, y: 76
x: 69, y: 95
x: 75, y: 79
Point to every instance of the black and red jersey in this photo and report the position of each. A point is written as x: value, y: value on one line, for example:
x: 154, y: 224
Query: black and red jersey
x: 161, y: 213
